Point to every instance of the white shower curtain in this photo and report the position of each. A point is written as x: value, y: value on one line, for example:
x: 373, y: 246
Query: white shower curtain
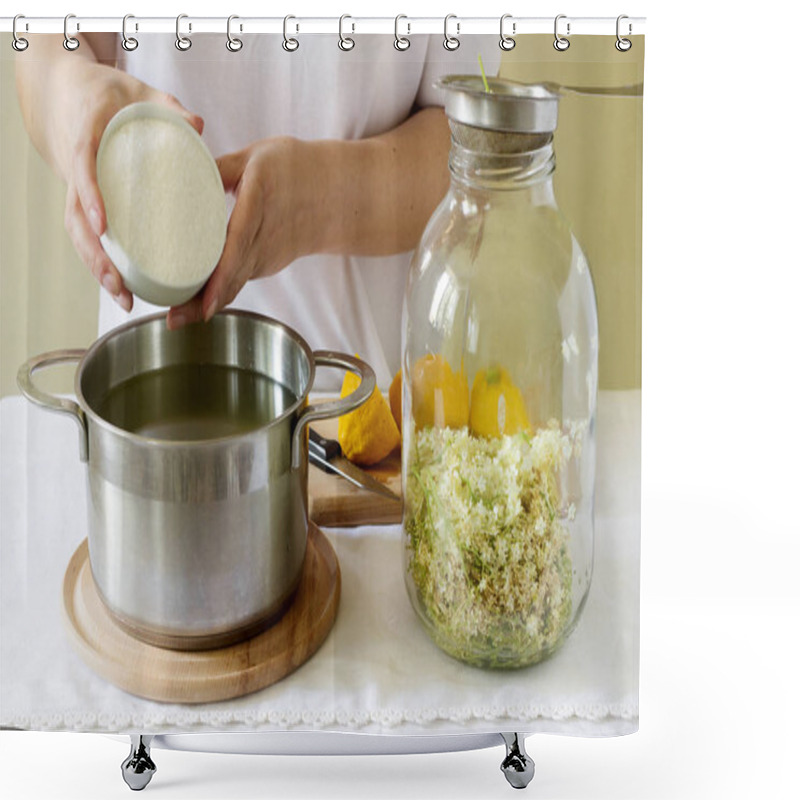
x: 377, y: 672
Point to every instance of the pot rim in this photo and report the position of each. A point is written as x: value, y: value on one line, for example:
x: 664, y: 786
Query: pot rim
x: 149, y: 441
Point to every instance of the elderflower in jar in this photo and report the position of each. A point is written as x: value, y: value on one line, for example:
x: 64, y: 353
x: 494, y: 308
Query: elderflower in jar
x: 500, y: 385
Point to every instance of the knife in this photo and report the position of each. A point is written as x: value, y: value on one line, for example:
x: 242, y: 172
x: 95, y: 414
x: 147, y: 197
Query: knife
x: 327, y: 455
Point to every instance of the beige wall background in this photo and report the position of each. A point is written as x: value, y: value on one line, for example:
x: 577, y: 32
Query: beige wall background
x: 598, y: 180
x: 49, y: 301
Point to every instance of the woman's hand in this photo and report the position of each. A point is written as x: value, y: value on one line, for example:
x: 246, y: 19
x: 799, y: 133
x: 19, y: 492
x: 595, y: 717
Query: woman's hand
x: 295, y: 198
x: 272, y: 223
x: 98, y: 92
x: 67, y: 101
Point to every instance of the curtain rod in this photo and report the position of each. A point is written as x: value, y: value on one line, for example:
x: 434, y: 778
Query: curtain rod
x: 299, y: 25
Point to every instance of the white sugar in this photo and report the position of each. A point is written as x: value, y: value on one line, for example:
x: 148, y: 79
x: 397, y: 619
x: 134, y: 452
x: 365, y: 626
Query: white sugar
x: 164, y: 200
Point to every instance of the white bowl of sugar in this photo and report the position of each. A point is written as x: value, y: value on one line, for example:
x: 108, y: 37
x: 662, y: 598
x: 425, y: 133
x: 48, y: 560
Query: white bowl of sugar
x: 165, y: 205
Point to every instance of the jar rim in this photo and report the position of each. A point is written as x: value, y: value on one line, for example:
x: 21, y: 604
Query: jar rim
x: 507, y: 106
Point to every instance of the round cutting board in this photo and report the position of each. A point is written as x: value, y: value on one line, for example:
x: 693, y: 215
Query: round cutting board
x: 206, y: 676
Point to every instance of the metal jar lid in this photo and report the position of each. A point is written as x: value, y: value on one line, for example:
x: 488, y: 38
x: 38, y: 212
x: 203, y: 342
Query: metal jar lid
x: 507, y: 106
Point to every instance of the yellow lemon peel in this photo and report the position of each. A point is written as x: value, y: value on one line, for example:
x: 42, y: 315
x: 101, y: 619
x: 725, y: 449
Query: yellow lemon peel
x: 439, y: 396
x: 497, y: 407
x: 368, y: 434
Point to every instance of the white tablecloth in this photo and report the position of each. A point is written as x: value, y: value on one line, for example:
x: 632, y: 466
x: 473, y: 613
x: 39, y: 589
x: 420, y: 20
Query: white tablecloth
x: 376, y: 673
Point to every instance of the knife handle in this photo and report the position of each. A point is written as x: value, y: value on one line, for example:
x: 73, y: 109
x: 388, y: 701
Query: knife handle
x: 322, y: 450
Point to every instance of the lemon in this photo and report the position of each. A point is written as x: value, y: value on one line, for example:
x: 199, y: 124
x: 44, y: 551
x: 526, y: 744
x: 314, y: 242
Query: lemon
x: 439, y: 396
x: 368, y: 434
x: 497, y: 407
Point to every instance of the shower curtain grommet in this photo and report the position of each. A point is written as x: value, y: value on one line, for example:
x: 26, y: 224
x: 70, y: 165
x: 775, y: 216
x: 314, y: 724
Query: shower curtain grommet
x: 233, y: 44
x: 623, y: 45
x: 70, y: 42
x: 346, y: 43
x: 183, y: 43
x: 507, y: 42
x: 451, y: 43
x: 560, y: 43
x: 19, y: 43
x: 401, y: 43
x: 289, y: 44
x: 129, y: 43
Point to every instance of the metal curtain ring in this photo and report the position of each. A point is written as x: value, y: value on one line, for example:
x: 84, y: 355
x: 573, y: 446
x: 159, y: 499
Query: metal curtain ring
x: 451, y: 42
x: 129, y: 43
x: 289, y: 44
x: 345, y: 42
x: 70, y: 42
x: 561, y: 44
x: 401, y: 42
x: 18, y: 43
x: 233, y: 44
x: 623, y: 45
x: 183, y: 43
x: 507, y: 42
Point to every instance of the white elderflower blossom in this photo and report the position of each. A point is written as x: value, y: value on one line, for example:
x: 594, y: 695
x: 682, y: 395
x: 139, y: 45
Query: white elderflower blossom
x: 487, y: 552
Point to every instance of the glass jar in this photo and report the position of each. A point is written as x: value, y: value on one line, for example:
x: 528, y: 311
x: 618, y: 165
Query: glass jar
x: 499, y: 391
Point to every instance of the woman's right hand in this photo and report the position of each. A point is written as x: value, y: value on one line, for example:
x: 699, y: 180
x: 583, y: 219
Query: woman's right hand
x: 89, y: 95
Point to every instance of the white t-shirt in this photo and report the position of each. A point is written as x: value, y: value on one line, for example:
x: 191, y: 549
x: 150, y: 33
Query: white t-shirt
x: 348, y: 303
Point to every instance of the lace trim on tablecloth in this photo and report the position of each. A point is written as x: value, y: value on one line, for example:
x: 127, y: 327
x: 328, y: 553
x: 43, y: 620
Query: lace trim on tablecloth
x: 187, y: 720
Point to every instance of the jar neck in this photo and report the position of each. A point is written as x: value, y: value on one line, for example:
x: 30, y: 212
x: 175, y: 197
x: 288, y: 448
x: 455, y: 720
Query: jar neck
x: 529, y: 170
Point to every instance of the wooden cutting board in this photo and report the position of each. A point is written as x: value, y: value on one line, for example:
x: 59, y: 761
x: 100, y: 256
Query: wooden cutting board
x: 335, y: 502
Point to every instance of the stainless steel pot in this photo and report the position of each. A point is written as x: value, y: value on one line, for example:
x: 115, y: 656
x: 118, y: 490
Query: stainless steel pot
x: 197, y: 452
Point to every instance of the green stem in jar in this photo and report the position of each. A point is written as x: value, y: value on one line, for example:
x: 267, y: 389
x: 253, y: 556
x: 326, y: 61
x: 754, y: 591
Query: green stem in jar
x: 483, y: 75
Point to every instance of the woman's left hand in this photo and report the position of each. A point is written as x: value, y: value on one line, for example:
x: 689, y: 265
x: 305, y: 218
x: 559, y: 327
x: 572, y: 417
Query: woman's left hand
x: 369, y: 197
x: 271, y: 224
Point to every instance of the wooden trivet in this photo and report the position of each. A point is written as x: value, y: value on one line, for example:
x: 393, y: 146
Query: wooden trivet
x: 206, y: 676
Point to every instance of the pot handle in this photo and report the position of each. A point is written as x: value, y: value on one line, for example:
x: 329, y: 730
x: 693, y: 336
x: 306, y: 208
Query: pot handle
x: 49, y: 401
x: 336, y: 408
